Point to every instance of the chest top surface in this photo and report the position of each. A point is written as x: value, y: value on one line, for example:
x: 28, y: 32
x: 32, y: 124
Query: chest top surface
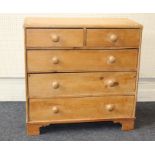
x: 44, y: 22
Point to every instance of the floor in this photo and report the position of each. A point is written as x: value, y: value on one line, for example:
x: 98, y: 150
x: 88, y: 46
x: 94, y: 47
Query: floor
x: 12, y: 127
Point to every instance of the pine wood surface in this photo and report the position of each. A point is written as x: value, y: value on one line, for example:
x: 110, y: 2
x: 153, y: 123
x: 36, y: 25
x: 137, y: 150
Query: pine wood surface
x: 44, y: 22
x: 43, y: 37
x: 81, y: 60
x: 102, y: 38
x: 81, y: 70
x: 81, y: 108
x: 81, y: 84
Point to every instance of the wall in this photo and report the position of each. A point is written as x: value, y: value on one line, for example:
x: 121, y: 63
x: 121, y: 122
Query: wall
x: 12, y: 54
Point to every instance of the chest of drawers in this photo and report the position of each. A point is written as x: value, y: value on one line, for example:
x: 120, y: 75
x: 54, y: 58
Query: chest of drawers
x: 81, y: 70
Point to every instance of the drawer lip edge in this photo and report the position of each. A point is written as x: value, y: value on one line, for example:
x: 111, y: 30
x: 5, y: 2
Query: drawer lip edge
x: 79, y: 120
x: 85, y: 96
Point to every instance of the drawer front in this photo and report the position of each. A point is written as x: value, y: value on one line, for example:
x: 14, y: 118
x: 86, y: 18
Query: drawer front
x: 80, y: 84
x: 81, y: 60
x: 54, y: 38
x: 113, y: 38
x: 78, y: 109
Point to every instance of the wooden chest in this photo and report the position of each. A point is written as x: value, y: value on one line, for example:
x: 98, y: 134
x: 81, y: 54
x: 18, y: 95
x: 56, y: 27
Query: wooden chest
x: 81, y: 70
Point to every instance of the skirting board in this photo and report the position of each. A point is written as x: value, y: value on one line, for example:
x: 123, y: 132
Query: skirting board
x: 13, y: 89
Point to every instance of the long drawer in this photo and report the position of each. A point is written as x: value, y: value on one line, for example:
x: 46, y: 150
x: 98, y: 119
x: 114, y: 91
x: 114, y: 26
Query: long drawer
x: 81, y: 60
x: 112, y: 38
x: 81, y: 109
x: 80, y: 84
x: 49, y: 38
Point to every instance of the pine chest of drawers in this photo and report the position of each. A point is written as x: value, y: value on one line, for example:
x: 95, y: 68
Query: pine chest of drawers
x: 81, y: 70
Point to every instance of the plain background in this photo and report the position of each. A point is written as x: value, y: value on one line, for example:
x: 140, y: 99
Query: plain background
x: 12, y: 53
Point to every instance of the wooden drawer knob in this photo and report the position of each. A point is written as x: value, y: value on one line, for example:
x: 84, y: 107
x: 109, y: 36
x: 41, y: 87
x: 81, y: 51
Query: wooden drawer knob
x: 110, y: 107
x: 113, y: 37
x: 111, y: 59
x: 55, y: 85
x: 55, y: 38
x: 55, y: 109
x: 111, y: 82
x: 55, y: 60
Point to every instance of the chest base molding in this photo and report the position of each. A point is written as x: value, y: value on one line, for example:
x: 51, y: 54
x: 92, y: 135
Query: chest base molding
x: 33, y: 128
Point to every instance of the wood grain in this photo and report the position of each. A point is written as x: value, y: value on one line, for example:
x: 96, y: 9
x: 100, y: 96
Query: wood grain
x: 33, y: 129
x: 45, y: 22
x: 81, y: 108
x: 80, y: 84
x: 102, y: 38
x: 81, y: 70
x: 81, y: 60
x: 43, y: 38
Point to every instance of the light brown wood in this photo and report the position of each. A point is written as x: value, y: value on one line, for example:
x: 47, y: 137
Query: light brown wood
x: 81, y: 70
x: 113, y: 38
x: 33, y: 129
x: 81, y: 60
x: 138, y: 72
x: 127, y: 125
x: 81, y: 108
x: 26, y: 79
x: 45, y: 22
x: 81, y: 84
x: 54, y: 38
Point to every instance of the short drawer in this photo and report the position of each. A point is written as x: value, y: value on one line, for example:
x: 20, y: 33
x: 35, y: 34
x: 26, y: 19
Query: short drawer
x: 49, y: 38
x: 80, y: 84
x: 81, y: 109
x: 112, y: 38
x: 81, y: 60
